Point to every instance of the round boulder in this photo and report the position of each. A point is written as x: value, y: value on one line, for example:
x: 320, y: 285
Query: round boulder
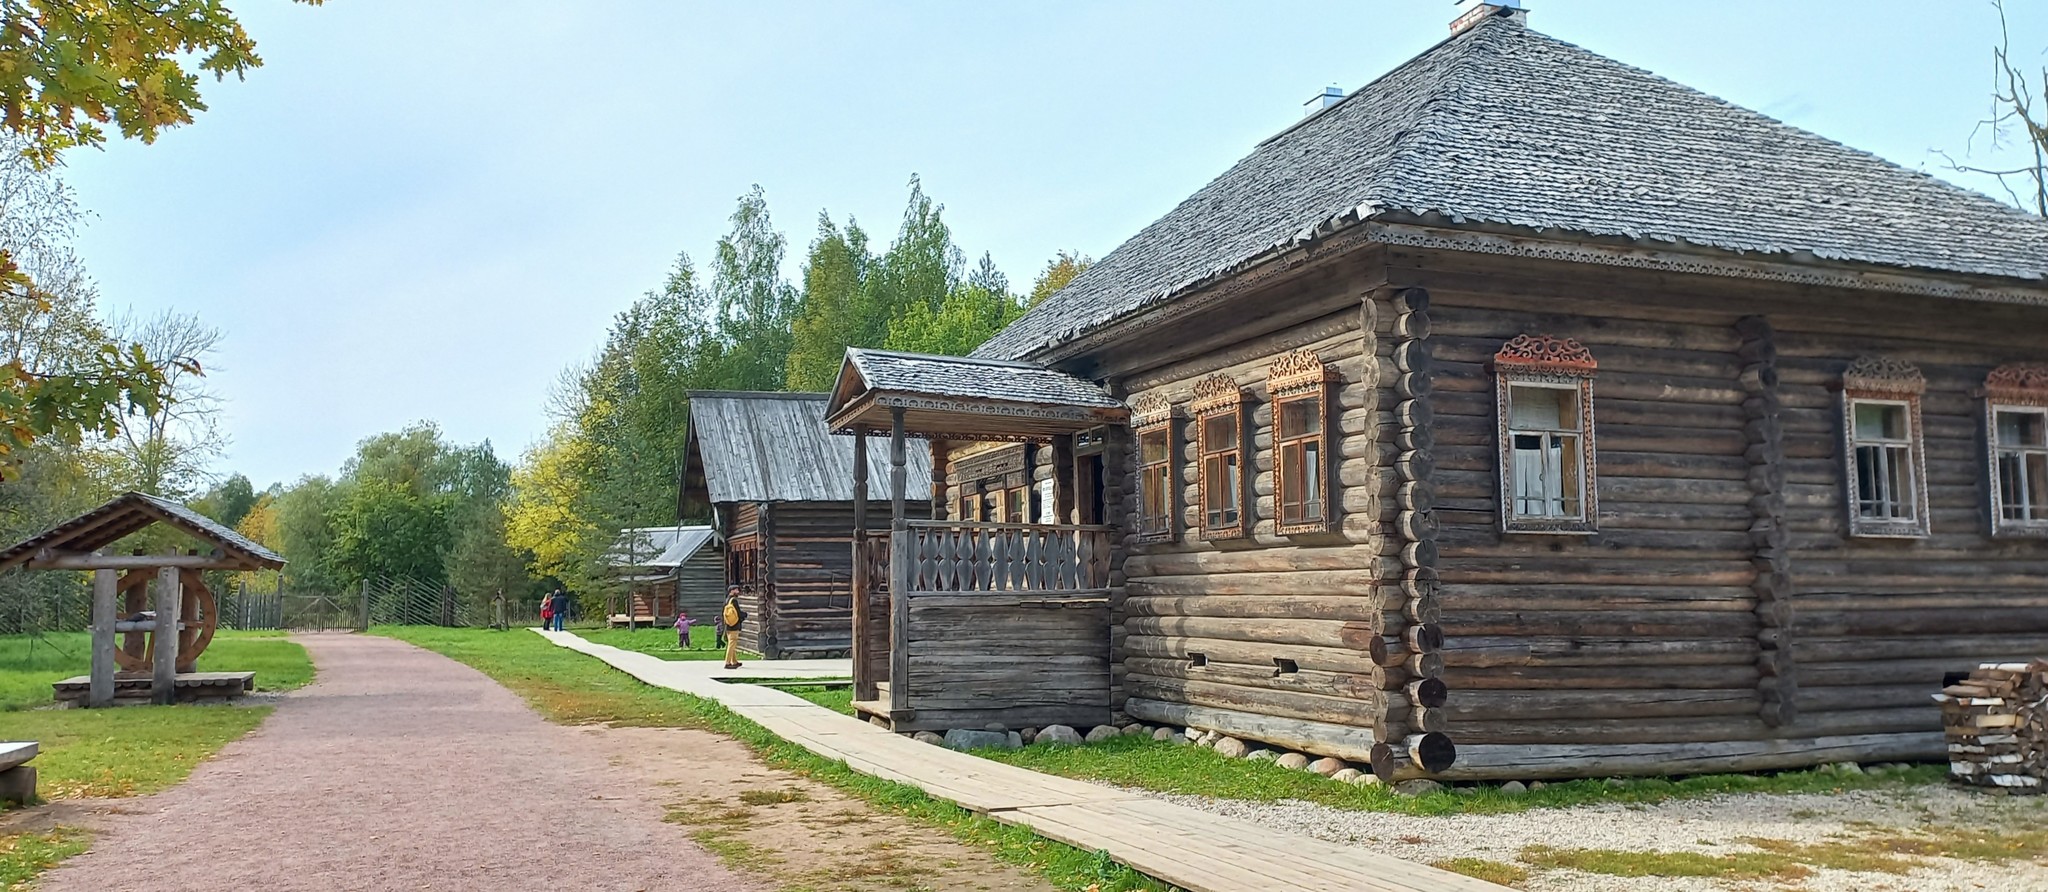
x: 1100, y: 733
x: 1229, y: 746
x: 1347, y: 775
x: 1420, y: 786
x: 1328, y: 766
x: 1294, y: 761
x: 1062, y: 735
x: 928, y: 737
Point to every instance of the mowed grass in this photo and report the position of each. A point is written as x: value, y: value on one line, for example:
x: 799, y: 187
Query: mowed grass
x: 659, y: 642
x: 569, y: 687
x: 131, y: 750
x: 1138, y: 761
x: 23, y: 855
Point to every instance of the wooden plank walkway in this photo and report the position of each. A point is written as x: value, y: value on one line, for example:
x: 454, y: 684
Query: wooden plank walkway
x: 1192, y: 849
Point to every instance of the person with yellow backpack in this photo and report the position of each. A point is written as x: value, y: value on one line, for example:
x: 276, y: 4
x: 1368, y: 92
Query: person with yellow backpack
x: 732, y: 618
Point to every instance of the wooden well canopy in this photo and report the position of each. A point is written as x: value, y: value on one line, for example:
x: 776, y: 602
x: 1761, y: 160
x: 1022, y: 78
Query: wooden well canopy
x: 71, y: 545
x: 964, y: 398
x: 162, y: 645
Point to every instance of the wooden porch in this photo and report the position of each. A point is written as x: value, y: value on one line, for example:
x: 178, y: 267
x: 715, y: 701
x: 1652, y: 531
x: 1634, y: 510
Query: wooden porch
x: 986, y: 623
x: 963, y: 624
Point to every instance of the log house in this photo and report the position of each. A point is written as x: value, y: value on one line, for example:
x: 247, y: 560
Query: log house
x: 1527, y: 415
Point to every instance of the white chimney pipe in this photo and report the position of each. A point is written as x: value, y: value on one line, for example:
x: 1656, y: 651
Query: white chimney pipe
x: 1330, y: 96
x: 1472, y: 12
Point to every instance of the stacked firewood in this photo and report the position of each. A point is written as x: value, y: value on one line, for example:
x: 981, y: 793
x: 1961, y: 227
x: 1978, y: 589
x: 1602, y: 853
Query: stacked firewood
x: 1997, y: 724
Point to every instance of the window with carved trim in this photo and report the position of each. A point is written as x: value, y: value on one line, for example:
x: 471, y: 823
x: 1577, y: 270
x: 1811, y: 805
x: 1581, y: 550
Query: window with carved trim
x: 1884, y: 469
x: 1300, y: 385
x: 1219, y: 409
x: 1158, y: 497
x: 1544, y: 395
x: 2016, y: 436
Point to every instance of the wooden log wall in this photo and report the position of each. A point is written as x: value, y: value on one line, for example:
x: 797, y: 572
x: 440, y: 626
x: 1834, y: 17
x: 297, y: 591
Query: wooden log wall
x: 1015, y: 660
x: 809, y: 609
x: 1412, y: 739
x: 1666, y: 641
x: 1268, y: 637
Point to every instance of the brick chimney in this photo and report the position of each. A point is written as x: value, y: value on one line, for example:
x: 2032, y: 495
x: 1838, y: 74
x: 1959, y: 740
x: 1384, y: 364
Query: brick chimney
x: 1472, y: 12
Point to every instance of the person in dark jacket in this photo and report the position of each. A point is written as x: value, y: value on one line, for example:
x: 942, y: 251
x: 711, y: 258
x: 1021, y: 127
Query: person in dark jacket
x: 559, y: 603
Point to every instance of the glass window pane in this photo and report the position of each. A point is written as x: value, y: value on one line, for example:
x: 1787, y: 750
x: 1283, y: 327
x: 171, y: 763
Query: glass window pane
x: 1312, y: 476
x: 1219, y: 432
x: 1567, y: 464
x: 2037, y: 486
x: 1152, y: 446
x: 1301, y: 417
x: 1537, y: 408
x: 2022, y: 429
x: 1880, y: 421
x: 2012, y: 485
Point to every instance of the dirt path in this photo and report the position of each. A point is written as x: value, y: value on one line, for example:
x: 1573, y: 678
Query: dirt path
x: 402, y: 769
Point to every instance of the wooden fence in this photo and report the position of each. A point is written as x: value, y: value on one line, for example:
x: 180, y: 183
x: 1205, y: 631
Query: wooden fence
x: 998, y: 557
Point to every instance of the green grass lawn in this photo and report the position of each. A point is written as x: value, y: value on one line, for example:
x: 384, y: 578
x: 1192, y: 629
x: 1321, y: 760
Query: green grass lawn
x: 569, y: 687
x: 660, y: 642
x: 131, y: 750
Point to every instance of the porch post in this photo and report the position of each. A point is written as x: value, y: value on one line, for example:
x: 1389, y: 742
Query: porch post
x: 1063, y: 480
x: 863, y: 674
x: 170, y: 595
x: 101, y: 691
x: 899, y: 570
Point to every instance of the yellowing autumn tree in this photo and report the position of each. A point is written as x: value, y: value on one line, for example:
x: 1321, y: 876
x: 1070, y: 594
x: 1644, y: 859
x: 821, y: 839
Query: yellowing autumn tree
x: 545, y: 516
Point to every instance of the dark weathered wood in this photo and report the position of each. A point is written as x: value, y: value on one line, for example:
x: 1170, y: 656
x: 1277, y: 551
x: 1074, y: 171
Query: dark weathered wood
x: 164, y: 641
x: 104, y: 584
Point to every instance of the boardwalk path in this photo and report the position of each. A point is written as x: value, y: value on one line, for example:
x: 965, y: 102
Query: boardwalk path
x: 397, y: 769
x: 1189, y: 848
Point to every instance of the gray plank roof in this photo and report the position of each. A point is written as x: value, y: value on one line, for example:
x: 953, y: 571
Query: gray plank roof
x: 1505, y: 125
x: 977, y: 378
x: 773, y: 447
x: 658, y: 547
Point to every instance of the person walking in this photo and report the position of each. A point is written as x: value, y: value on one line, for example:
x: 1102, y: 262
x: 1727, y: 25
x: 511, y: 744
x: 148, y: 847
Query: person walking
x: 734, y: 619
x: 559, y: 603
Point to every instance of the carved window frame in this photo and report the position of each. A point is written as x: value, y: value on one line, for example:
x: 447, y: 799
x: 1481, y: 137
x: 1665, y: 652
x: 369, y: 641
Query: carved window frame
x: 1551, y: 363
x: 1218, y: 397
x: 1883, y: 381
x: 2015, y: 388
x: 1297, y: 377
x: 1152, y: 417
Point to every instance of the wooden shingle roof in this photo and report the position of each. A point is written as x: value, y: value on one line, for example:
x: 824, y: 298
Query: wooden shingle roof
x: 1502, y: 126
x: 773, y: 447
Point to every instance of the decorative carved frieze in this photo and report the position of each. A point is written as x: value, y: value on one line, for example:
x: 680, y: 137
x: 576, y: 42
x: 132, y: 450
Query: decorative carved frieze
x: 1883, y: 375
x: 2019, y: 383
x: 1150, y: 410
x: 1545, y: 354
x: 1216, y: 393
x: 1297, y: 371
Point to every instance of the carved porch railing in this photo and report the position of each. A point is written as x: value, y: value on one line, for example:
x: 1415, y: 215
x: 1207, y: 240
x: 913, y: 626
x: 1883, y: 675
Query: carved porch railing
x: 951, y: 557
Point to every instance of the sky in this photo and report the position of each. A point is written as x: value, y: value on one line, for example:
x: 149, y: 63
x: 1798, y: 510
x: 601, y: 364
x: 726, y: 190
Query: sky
x: 426, y: 210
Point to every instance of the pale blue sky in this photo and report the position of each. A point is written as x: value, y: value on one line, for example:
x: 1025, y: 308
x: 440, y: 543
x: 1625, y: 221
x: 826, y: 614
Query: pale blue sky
x: 427, y: 209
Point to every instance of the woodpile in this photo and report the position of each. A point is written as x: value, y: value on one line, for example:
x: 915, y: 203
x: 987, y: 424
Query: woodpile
x: 1997, y: 727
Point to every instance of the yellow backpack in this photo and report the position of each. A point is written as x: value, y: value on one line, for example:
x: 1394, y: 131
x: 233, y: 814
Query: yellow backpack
x: 732, y: 614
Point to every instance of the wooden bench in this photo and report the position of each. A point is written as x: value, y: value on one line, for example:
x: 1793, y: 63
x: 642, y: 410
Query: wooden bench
x: 17, y: 777
x: 134, y: 688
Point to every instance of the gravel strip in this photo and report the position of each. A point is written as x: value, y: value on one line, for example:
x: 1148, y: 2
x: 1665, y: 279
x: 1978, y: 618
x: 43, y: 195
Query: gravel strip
x: 1710, y: 826
x: 397, y: 769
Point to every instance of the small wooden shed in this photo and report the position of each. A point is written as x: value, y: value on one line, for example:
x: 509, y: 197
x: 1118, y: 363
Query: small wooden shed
x: 667, y: 569
x: 183, y: 609
x: 781, y: 495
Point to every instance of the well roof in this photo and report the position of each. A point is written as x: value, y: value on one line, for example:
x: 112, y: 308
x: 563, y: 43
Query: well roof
x: 129, y: 513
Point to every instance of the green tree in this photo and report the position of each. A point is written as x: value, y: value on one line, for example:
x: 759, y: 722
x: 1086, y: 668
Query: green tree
x: 481, y: 564
x: 1057, y: 273
x: 303, y: 520
x: 827, y: 321
x: 66, y: 68
x: 382, y: 529
x: 754, y: 305
x: 229, y: 501
x: 921, y: 267
x: 960, y: 323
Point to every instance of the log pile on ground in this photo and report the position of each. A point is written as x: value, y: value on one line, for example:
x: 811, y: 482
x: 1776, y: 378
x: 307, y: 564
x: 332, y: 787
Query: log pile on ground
x: 1997, y: 724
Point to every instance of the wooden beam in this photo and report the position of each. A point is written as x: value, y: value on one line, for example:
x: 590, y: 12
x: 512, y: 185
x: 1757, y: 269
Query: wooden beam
x: 898, y: 477
x: 104, y: 585
x: 68, y: 560
x: 863, y: 673
x: 170, y: 596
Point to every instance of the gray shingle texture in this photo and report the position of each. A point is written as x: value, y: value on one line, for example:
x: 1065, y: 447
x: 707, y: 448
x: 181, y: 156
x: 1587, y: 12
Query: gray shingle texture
x: 1508, y: 126
x: 773, y: 447
x: 976, y: 378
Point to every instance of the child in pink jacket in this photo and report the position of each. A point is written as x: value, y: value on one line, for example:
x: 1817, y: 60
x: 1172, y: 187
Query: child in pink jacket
x: 682, y: 630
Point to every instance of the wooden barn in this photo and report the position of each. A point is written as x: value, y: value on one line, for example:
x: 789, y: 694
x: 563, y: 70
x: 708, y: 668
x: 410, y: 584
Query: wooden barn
x: 665, y: 569
x: 781, y: 495
x: 1521, y: 414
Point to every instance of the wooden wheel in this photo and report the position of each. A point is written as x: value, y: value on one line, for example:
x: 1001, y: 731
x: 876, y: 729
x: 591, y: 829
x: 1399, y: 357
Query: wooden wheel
x: 197, y: 608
